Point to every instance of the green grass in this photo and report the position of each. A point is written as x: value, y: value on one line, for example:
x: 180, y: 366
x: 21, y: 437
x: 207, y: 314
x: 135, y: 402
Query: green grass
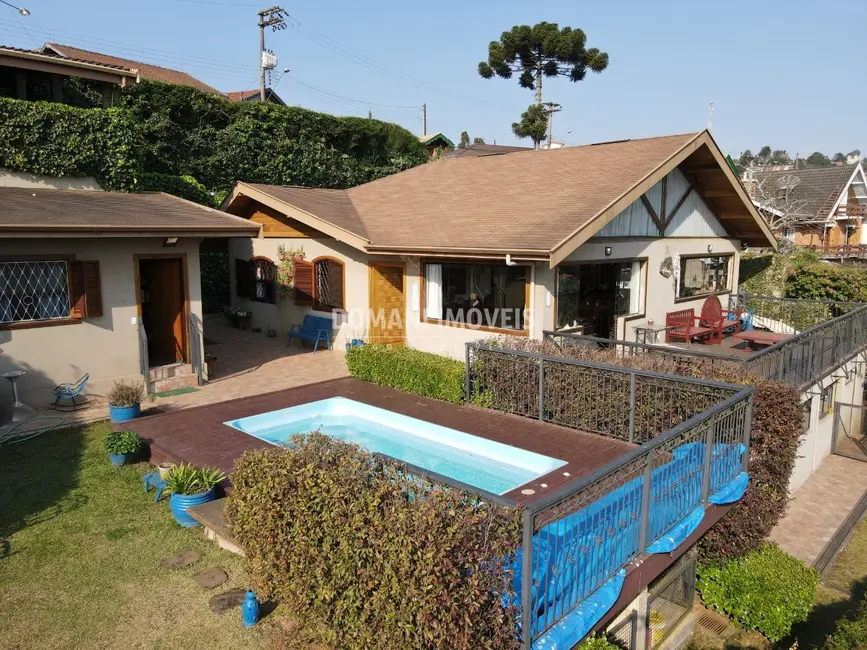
x: 176, y: 391
x: 80, y: 552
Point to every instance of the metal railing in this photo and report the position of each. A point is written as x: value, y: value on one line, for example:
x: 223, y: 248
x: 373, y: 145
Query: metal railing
x: 824, y: 335
x: 695, y: 438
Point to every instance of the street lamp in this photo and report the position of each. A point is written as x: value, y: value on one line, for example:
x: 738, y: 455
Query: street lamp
x: 20, y: 10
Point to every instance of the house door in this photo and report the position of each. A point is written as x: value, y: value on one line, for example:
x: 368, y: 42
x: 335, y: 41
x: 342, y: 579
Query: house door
x: 162, y: 309
x: 387, y: 304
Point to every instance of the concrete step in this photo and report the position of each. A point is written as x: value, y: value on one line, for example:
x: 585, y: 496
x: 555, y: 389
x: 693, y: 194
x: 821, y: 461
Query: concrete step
x: 170, y: 370
x: 173, y: 383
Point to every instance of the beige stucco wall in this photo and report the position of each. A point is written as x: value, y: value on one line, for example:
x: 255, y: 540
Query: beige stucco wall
x: 106, y: 347
x: 659, y: 296
x: 282, y: 315
x: 22, y: 179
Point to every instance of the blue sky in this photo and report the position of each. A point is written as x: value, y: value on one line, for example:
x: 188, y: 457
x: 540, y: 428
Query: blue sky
x: 785, y: 73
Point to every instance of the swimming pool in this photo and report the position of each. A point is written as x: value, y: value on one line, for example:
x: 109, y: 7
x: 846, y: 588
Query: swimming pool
x: 485, y: 464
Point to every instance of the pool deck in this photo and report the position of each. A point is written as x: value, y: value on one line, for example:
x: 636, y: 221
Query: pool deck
x: 197, y: 435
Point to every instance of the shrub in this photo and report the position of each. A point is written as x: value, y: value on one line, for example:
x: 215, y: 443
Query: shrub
x: 125, y: 394
x: 827, y: 282
x: 186, y: 479
x: 122, y: 442
x: 598, y: 643
x: 766, y: 590
x: 413, y: 371
x: 851, y: 633
x: 379, y: 557
x: 773, y: 446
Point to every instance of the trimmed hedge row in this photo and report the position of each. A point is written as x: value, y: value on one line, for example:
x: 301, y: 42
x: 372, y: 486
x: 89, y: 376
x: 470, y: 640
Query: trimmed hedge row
x: 370, y: 555
x: 409, y: 370
x: 767, y: 590
x: 827, y: 282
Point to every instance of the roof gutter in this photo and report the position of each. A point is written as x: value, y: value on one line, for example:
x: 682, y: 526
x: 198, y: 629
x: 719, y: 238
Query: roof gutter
x: 511, y: 255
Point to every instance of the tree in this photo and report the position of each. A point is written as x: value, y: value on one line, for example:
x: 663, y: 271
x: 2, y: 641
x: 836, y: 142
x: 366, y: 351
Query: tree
x: 779, y: 202
x: 746, y: 159
x: 780, y: 157
x: 478, y: 141
x: 839, y: 157
x: 818, y: 159
x: 543, y: 49
x: 533, y: 124
x: 465, y: 140
x: 764, y: 154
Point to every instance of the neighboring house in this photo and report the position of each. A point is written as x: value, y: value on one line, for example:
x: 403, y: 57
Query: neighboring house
x: 254, y: 95
x: 36, y: 76
x: 483, y: 150
x: 81, y: 270
x: 143, y: 70
x: 436, y: 144
x: 827, y: 204
x: 574, y: 238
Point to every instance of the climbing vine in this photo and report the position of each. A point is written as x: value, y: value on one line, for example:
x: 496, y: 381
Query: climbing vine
x: 286, y: 270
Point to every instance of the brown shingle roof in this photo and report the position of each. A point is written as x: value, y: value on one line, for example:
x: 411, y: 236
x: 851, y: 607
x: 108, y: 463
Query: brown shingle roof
x: 818, y: 188
x: 145, y: 70
x: 528, y: 200
x: 332, y: 206
x: 483, y: 150
x: 84, y: 211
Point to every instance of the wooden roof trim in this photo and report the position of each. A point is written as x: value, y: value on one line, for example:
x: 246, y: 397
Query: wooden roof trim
x: 294, y: 212
x: 844, y: 194
x: 564, y: 248
x: 50, y: 64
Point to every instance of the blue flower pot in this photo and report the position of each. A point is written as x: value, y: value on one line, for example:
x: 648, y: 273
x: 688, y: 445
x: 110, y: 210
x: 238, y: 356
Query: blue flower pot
x: 121, y: 459
x: 250, y: 609
x: 124, y: 413
x: 178, y: 504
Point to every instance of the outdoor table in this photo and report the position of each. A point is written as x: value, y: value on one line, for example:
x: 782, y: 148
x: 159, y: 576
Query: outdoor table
x: 20, y: 412
x: 649, y: 334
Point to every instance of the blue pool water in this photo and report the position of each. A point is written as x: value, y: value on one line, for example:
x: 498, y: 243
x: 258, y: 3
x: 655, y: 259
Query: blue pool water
x: 482, y: 463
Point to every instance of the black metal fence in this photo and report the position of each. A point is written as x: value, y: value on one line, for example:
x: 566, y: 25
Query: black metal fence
x: 695, y: 436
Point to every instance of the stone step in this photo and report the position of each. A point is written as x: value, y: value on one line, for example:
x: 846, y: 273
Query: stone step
x: 170, y: 370
x: 173, y: 383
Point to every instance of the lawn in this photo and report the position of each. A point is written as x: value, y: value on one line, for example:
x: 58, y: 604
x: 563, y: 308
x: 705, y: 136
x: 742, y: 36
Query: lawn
x: 81, y: 547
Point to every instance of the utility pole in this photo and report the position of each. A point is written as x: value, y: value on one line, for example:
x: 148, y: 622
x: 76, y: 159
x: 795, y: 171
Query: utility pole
x: 424, y: 119
x: 710, y: 116
x: 369, y: 115
x: 275, y: 18
x: 550, y: 109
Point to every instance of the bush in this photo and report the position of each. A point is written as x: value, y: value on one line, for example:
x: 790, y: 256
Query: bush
x: 413, y: 371
x: 598, y: 643
x: 827, y: 282
x: 379, y: 557
x: 774, y: 442
x: 851, y: 633
x: 766, y: 590
x: 124, y: 394
x: 122, y: 442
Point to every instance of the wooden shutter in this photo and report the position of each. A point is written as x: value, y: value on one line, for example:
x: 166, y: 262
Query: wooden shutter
x: 85, y: 291
x: 335, y: 284
x: 243, y: 278
x: 303, y: 282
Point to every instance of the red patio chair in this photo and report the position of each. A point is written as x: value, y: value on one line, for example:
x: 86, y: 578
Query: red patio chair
x: 684, y: 324
x: 718, y: 319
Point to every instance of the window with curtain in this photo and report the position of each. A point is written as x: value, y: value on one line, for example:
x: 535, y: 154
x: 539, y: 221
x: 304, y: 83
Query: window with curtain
x: 328, y: 283
x: 34, y: 291
x: 477, y: 295
x: 700, y: 276
x: 264, y: 280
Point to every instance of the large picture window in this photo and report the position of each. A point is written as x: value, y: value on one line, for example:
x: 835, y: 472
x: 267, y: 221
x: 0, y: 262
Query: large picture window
x: 34, y: 291
x: 477, y: 295
x: 592, y: 296
x: 701, y: 276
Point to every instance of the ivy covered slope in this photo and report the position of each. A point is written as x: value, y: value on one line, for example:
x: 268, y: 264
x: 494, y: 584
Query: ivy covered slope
x: 180, y: 140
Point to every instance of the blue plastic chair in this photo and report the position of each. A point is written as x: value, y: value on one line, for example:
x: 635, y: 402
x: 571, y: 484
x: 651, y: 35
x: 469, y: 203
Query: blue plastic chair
x: 70, y: 392
x: 312, y: 328
x: 747, y: 319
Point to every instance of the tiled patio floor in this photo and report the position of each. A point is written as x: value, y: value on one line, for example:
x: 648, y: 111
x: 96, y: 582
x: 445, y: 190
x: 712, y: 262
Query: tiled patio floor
x: 247, y: 364
x: 819, y: 506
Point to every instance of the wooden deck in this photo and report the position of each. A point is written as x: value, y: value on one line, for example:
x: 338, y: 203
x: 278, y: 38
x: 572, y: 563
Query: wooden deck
x: 197, y: 435
x: 730, y: 347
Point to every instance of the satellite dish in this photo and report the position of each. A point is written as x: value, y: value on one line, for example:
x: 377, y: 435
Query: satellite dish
x: 788, y: 182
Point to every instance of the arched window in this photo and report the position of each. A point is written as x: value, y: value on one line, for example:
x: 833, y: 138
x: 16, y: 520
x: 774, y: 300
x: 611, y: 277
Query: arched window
x: 263, y: 280
x: 328, y: 284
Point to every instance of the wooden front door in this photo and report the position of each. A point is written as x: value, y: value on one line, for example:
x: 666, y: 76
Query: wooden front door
x: 387, y: 304
x: 164, y: 316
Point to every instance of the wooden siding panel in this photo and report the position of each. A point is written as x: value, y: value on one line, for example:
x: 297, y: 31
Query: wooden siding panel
x: 695, y: 219
x: 634, y: 221
x: 275, y: 224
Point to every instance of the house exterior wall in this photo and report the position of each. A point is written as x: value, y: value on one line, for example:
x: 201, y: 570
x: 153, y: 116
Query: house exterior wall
x: 282, y: 315
x: 107, y: 347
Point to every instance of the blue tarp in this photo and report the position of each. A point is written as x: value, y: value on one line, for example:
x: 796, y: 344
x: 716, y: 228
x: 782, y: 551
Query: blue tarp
x: 731, y: 491
x: 572, y: 554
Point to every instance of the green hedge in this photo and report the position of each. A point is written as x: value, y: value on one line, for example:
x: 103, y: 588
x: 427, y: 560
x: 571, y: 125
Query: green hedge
x: 413, y: 371
x: 766, y: 590
x: 827, y: 282
x: 375, y: 557
x: 851, y: 633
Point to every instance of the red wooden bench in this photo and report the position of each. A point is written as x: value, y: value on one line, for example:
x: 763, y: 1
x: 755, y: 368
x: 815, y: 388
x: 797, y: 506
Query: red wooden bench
x: 684, y: 324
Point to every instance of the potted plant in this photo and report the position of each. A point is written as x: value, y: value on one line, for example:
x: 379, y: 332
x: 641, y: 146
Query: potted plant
x: 122, y: 446
x: 191, y: 486
x: 124, y: 400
